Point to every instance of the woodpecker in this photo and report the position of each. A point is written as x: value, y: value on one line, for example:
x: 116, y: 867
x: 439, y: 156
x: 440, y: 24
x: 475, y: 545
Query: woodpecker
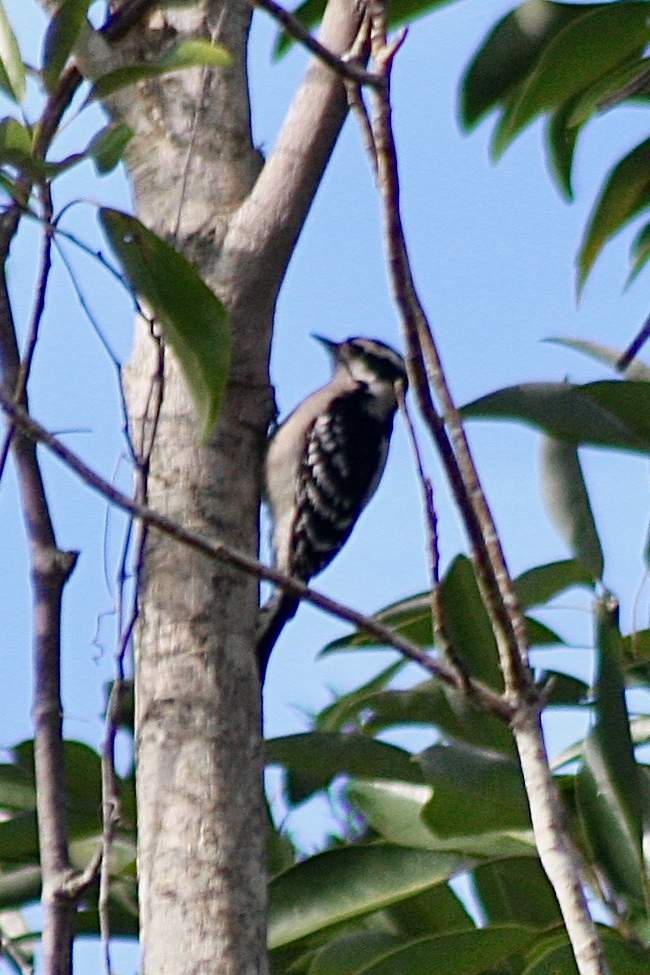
x: 323, y: 465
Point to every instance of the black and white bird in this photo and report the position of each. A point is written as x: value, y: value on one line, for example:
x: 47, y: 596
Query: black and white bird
x: 323, y: 465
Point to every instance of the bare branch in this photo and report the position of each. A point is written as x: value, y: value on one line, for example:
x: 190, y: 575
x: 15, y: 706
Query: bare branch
x: 555, y: 848
x: 484, y: 695
x: 50, y: 571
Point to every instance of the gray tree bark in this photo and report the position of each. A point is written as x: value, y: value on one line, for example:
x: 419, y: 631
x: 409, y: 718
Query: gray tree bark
x: 198, y: 180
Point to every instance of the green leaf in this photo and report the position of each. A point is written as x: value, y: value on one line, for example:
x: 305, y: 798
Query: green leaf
x: 19, y: 839
x: 639, y: 254
x: 623, y: 957
x: 61, y: 37
x: 314, y: 758
x: 107, y: 147
x: 191, y: 317
x: 395, y: 811
x: 12, y: 69
x: 467, y: 624
x: 577, y: 55
x: 612, y: 718
x: 474, y: 790
x: 516, y: 891
x: 608, y: 786
x: 350, y: 882
x: 191, y: 53
x: 560, y: 141
x: 15, y: 143
x: 431, y: 703
x: 604, y: 414
x: 430, y: 912
x: 344, y: 711
x: 567, y: 502
x: 637, y: 369
x: 19, y: 887
x: 509, y: 53
x: 539, y: 585
x: 411, y: 617
x: 563, y: 690
x: 455, y: 953
x: 625, y: 194
x: 17, y: 790
x: 588, y: 102
x: 352, y: 952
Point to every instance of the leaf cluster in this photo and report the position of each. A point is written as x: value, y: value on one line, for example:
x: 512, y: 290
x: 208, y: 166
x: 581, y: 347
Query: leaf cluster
x: 568, y: 63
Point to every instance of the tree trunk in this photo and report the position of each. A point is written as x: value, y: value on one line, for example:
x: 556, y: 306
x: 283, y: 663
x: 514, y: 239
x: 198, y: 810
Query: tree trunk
x: 198, y: 181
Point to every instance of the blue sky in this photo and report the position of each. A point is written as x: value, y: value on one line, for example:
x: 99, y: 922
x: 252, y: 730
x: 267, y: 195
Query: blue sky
x: 493, y: 252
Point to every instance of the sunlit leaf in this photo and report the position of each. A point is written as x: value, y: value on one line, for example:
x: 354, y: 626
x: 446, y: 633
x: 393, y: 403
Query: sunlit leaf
x: 315, y: 757
x: 637, y: 369
x: 191, y: 53
x: 12, y: 69
x: 60, y: 38
x: 582, y: 51
x: 15, y: 143
x: 350, y: 882
x: 588, y: 102
x: 190, y: 315
x: 625, y: 194
x: 539, y: 585
x: 395, y: 811
x: 431, y: 703
x: 567, y: 502
x: 604, y: 414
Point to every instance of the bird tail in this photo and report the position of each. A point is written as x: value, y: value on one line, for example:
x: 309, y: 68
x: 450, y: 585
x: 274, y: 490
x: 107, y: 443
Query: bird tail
x: 279, y: 609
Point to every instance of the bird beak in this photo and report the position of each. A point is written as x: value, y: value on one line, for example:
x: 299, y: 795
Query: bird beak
x: 332, y: 347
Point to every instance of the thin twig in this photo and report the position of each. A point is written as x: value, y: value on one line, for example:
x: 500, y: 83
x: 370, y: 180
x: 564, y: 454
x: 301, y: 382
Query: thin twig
x: 441, y: 637
x: 293, y: 27
x: 634, y: 346
x: 484, y: 695
x: 360, y: 51
x: 34, y: 325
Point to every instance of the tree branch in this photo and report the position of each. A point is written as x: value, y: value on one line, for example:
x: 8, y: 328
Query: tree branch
x: 483, y: 694
x: 50, y: 571
x: 292, y: 26
x: 555, y: 848
x: 263, y: 232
